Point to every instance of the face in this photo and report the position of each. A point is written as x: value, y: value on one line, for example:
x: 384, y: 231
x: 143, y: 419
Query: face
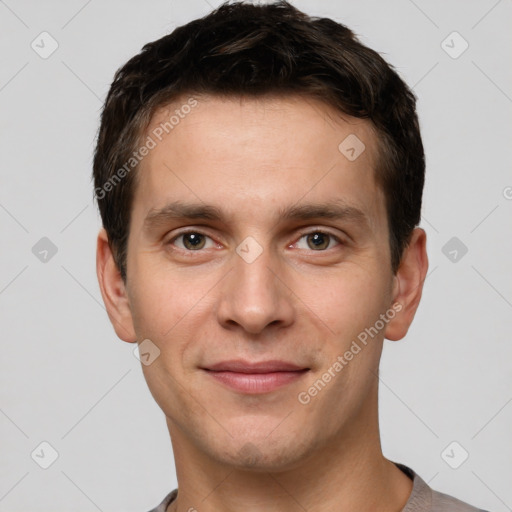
x: 277, y: 251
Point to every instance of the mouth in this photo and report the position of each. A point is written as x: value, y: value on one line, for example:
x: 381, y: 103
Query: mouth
x: 254, y: 378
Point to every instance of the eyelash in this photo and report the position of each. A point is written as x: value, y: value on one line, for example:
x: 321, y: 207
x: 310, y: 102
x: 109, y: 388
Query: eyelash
x: 301, y: 235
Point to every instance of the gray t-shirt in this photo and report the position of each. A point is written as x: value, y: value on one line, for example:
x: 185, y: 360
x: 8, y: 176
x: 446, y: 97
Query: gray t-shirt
x: 422, y: 498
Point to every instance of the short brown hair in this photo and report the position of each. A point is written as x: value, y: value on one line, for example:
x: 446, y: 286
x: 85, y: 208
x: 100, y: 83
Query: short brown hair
x: 242, y: 49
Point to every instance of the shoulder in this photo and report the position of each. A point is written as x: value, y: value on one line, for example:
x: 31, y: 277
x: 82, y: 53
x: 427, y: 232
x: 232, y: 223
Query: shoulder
x: 444, y: 503
x: 162, y: 507
x: 425, y: 499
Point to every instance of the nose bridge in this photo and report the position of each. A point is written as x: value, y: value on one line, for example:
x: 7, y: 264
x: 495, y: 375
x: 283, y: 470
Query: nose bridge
x: 253, y: 296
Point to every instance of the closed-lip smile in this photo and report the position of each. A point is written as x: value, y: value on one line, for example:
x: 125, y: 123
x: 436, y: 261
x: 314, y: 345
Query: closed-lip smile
x: 255, y: 377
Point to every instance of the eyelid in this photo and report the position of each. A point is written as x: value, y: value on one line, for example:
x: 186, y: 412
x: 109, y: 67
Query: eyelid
x: 319, y: 229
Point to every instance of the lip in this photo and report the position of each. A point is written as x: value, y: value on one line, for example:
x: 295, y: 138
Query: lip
x: 241, y: 366
x: 256, y: 377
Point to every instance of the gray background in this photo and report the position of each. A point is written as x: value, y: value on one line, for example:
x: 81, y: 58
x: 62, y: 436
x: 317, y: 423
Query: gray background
x: 65, y: 377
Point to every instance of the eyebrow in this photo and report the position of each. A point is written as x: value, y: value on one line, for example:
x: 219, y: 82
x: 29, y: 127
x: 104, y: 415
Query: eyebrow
x: 178, y: 210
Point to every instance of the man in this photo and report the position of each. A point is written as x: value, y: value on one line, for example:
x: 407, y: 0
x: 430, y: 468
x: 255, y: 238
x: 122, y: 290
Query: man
x: 259, y: 175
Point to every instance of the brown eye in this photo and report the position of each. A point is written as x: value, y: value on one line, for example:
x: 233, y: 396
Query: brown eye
x: 191, y: 241
x: 318, y: 241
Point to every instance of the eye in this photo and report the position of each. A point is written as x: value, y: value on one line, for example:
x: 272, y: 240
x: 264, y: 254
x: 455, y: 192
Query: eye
x: 318, y: 240
x: 195, y: 241
x: 191, y: 241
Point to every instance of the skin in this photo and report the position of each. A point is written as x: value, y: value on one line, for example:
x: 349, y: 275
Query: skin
x: 295, y: 302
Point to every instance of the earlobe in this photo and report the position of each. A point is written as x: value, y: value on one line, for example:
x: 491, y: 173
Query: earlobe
x: 113, y: 290
x: 408, y: 285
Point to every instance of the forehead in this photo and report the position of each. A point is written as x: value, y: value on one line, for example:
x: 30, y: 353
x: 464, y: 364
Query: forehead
x: 243, y: 154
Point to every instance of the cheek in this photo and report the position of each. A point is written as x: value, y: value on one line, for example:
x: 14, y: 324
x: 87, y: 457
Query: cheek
x: 345, y: 301
x: 159, y: 299
x: 150, y: 305
x: 170, y: 310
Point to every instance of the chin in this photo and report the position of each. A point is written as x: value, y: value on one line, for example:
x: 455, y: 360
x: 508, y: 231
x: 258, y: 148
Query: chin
x: 263, y: 456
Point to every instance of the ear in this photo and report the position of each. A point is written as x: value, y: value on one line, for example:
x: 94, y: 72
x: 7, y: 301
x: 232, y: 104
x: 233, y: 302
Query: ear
x: 408, y: 285
x: 113, y: 290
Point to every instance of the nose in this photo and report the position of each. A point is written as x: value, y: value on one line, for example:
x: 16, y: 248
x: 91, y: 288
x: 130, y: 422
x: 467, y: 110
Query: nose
x: 255, y: 295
